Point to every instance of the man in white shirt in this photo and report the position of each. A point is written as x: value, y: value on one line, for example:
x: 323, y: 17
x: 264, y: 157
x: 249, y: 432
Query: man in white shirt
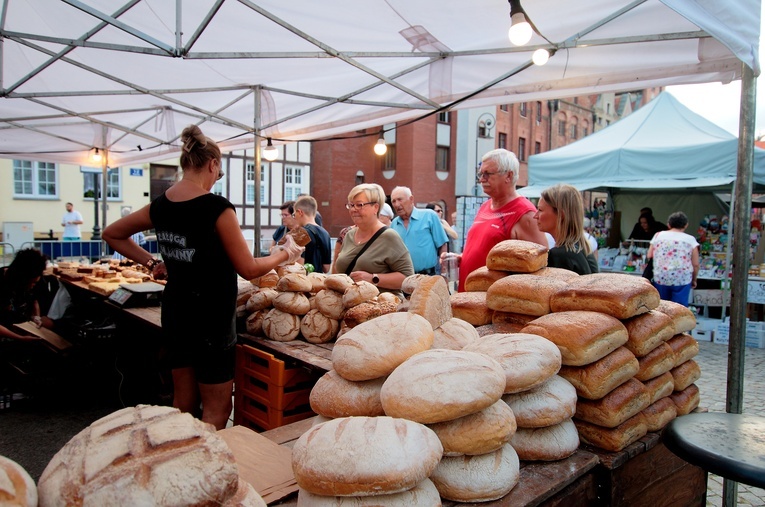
x: 71, y: 223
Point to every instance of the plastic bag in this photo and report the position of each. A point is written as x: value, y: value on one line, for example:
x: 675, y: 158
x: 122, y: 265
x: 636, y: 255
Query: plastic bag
x: 61, y: 302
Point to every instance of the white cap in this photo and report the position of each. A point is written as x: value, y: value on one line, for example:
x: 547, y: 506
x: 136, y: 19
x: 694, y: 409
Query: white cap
x: 387, y: 210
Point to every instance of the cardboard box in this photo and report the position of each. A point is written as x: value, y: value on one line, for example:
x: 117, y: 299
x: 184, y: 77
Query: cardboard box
x: 755, y: 334
x: 702, y: 335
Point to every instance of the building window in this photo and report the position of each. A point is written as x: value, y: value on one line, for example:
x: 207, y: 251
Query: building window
x: 263, y: 185
x: 539, y: 112
x: 502, y: 140
x: 521, y: 149
x: 504, y: 107
x: 443, y: 117
x: 562, y: 128
x: 537, y: 148
x: 523, y: 109
x: 249, y: 197
x: 113, y: 185
x: 442, y: 158
x: 36, y: 180
x: 390, y: 158
x: 573, y: 131
x: 293, y: 182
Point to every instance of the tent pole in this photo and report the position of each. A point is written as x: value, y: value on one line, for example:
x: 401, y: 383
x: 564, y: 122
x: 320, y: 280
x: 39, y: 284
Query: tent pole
x: 739, y: 282
x: 256, y: 161
x: 104, y: 190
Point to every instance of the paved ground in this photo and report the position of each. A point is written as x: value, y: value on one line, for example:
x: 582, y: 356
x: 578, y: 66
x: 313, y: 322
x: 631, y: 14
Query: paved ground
x: 31, y: 435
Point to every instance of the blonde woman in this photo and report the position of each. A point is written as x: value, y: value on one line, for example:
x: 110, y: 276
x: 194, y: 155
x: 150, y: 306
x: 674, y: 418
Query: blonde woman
x: 561, y: 214
x: 371, y: 251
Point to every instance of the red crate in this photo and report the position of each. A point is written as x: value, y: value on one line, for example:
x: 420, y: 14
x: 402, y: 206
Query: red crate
x: 260, y: 417
x: 268, y: 368
x: 278, y: 397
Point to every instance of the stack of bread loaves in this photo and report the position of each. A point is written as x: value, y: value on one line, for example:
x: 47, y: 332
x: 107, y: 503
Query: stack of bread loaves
x: 290, y: 304
x: 145, y: 455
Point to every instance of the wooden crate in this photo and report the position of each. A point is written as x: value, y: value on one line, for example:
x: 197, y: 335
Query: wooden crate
x: 260, y: 417
x: 273, y: 396
x: 268, y: 368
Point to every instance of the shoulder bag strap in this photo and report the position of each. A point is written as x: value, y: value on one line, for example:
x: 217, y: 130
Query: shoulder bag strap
x: 352, y: 265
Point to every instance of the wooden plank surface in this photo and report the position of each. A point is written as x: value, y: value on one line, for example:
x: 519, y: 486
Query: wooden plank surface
x: 57, y: 342
x: 152, y: 315
x: 309, y: 354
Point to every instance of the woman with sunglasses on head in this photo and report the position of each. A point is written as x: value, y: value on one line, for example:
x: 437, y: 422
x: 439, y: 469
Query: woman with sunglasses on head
x: 371, y: 251
x: 203, y: 250
x: 561, y: 213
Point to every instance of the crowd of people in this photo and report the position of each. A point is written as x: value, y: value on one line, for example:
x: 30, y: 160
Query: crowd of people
x: 383, y: 244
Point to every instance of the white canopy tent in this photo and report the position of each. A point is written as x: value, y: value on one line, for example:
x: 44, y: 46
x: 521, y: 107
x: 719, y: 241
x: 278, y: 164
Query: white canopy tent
x: 79, y: 74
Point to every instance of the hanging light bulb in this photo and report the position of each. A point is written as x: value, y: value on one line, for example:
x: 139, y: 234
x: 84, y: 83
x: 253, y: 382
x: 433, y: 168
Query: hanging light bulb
x: 96, y: 156
x: 380, y: 146
x: 270, y: 152
x: 520, y: 29
x: 540, y: 56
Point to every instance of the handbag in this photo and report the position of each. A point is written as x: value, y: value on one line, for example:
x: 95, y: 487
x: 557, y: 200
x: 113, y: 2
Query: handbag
x: 648, y: 271
x: 352, y: 265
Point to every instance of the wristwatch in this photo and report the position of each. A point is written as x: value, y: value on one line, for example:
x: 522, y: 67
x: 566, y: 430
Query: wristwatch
x: 151, y: 263
x: 375, y: 279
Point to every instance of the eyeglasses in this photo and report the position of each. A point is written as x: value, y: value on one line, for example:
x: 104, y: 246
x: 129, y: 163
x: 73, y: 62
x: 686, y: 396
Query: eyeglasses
x: 220, y: 175
x: 287, y: 215
x: 481, y: 175
x: 358, y: 205
x: 438, y: 210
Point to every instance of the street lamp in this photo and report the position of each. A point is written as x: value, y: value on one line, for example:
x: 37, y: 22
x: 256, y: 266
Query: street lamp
x: 483, y: 128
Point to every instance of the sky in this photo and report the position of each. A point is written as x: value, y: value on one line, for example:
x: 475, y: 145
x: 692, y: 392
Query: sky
x: 720, y: 103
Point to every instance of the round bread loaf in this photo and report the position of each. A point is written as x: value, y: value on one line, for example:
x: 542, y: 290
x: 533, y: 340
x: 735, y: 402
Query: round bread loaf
x: 243, y: 293
x: 682, y: 317
x: 286, y: 269
x: 660, y: 387
x: 548, y: 443
x: 616, y: 407
x: 479, y: 433
x: 16, y: 486
x: 595, y: 380
x: 524, y: 294
x: 260, y: 300
x: 330, y: 303
x: 620, y: 295
x: 685, y: 374
x: 424, y: 494
x: 316, y: 328
x: 647, y: 331
x: 317, y: 281
x: 376, y: 347
x: 362, y: 456
x: 657, y: 362
x: 300, y: 235
x: 143, y: 455
x: 686, y: 400
x: 454, y: 334
x: 254, y: 322
x: 612, y: 439
x: 477, y: 478
x: 583, y: 337
x: 295, y: 303
x: 389, y: 297
x: 440, y: 385
x: 517, y: 256
x: 269, y: 280
x: 366, y: 311
x: 684, y: 346
x: 527, y: 359
x: 281, y: 326
x: 245, y: 496
x: 559, y: 273
x: 358, y: 293
x: 550, y: 403
x: 411, y: 282
x: 294, y: 282
x: 659, y: 414
x: 482, y: 278
x: 338, y: 282
x: 471, y: 307
x: 334, y: 397
x: 431, y: 299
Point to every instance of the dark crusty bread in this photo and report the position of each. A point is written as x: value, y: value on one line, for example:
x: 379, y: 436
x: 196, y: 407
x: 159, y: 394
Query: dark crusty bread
x: 616, y: 407
x: 686, y: 400
x: 583, y: 337
x: 511, y: 322
x: 482, y: 278
x: 684, y: 346
x: 660, y: 387
x: 471, y: 307
x: 517, y: 256
x: 612, y: 439
x: 685, y: 374
x: 143, y: 455
x: 659, y: 414
x: 364, y: 456
x: 657, y: 362
x: 682, y: 317
x: 595, y: 380
x: 525, y: 294
x: 647, y: 331
x: 619, y: 295
x: 559, y: 273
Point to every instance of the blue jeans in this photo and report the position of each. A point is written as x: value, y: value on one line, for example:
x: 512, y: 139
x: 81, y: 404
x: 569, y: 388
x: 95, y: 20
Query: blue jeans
x: 677, y: 293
